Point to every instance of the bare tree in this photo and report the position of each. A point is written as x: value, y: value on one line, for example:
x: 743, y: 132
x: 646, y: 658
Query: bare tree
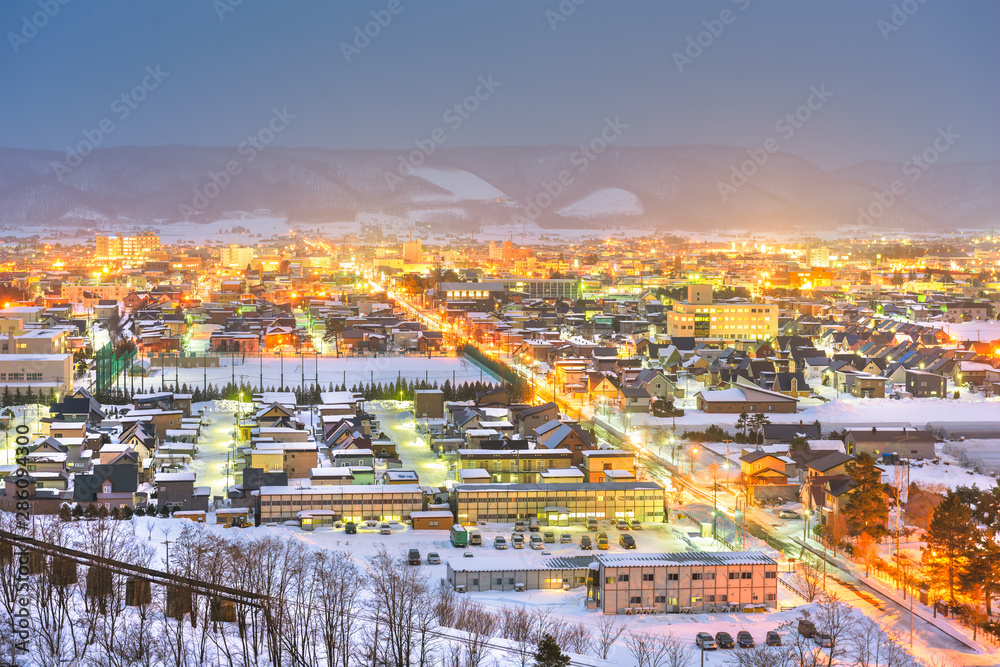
x: 809, y: 577
x: 402, y: 613
x: 866, y: 551
x: 609, y: 629
x: 763, y: 656
x: 837, y: 619
x: 656, y: 650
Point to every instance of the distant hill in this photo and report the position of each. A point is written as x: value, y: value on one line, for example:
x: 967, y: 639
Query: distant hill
x: 674, y: 187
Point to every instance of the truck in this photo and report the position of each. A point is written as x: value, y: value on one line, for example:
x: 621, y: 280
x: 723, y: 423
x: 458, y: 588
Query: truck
x: 459, y: 536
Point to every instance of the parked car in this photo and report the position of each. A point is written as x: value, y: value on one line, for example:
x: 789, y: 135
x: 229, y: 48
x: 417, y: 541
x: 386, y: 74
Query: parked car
x: 823, y: 639
x: 622, y: 524
x: 413, y: 557
x: 592, y: 524
x: 724, y: 640
x: 517, y: 541
x: 585, y: 543
x: 533, y: 525
x: 602, y: 541
x: 773, y: 638
x: 549, y: 537
x: 499, y: 542
x: 744, y: 639
x: 705, y: 641
x: 469, y: 554
x: 519, y: 526
x: 788, y: 514
x: 433, y: 558
x: 806, y: 628
x: 384, y: 529
x: 535, y: 542
x: 634, y: 523
x: 626, y: 541
x: 565, y: 538
x: 351, y: 528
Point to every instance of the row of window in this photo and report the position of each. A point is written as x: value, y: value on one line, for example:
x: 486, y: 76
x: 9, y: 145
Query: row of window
x: 663, y: 599
x: 22, y: 376
x: 695, y: 576
x: 559, y: 495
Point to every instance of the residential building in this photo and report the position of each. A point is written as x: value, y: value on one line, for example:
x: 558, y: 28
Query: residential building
x: 701, y: 317
x: 559, y: 504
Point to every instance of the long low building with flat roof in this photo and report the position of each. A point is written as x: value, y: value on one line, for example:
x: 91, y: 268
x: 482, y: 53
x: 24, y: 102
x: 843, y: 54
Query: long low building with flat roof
x: 679, y: 582
x: 633, y: 583
x: 559, y: 504
x: 358, y: 502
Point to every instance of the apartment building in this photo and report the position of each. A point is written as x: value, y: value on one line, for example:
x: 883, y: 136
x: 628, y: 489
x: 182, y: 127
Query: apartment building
x: 598, y: 462
x: 359, y: 502
x: 39, y: 372
x: 702, y: 317
x: 127, y: 247
x: 35, y: 341
x: 685, y: 582
x: 559, y: 504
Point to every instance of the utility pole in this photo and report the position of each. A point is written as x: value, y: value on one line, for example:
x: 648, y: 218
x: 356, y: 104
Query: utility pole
x: 727, y: 441
x: 167, y: 543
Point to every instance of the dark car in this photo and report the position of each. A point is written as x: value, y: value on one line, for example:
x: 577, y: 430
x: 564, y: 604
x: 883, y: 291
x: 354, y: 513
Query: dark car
x: 773, y: 639
x: 351, y: 528
x: 806, y: 627
x: 413, y: 557
x: 744, y: 639
x: 724, y: 640
x: 626, y: 541
x: 585, y: 543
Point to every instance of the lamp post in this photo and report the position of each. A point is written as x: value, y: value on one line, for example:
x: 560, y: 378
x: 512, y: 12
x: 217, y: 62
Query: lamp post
x: 805, y: 527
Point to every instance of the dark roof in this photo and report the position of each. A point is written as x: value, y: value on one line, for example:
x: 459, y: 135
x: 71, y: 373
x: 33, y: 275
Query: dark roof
x: 785, y: 432
x: 830, y: 461
x: 891, y: 435
x: 124, y: 478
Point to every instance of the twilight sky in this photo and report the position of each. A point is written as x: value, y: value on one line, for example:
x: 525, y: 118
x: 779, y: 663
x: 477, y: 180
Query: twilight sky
x: 560, y: 75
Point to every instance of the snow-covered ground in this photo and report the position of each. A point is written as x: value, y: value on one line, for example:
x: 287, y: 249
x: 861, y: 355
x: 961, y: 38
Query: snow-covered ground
x: 985, y: 332
x: 463, y: 185
x: 849, y: 410
x: 338, y: 370
x: 604, y: 203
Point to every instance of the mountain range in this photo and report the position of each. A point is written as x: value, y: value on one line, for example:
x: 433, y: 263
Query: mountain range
x: 669, y: 188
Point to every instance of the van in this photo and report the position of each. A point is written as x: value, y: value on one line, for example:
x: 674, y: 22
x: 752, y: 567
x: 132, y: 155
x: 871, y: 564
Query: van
x: 823, y: 639
x: 475, y: 537
x: 536, y: 542
x: 384, y: 529
x: 413, y: 557
x: 602, y: 541
x: 499, y: 542
x: 806, y: 628
x: 519, y: 526
x: 517, y: 540
x: 533, y: 525
x: 549, y: 537
x: 350, y: 528
x: 591, y: 523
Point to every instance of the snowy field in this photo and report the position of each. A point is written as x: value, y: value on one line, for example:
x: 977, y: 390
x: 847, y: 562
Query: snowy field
x: 985, y: 332
x: 850, y: 410
x: 343, y: 370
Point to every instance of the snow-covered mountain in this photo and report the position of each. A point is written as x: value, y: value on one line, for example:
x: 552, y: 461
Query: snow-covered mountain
x: 681, y: 187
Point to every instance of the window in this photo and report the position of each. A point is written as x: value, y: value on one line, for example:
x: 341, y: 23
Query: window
x: 711, y: 598
x: 647, y: 577
x: 499, y: 581
x: 635, y: 599
x: 475, y: 582
x: 660, y: 599
x: 672, y: 576
x: 746, y: 575
x: 610, y: 580
x: 734, y: 575
x: 622, y: 577
x: 695, y: 599
x: 770, y: 575
x: 696, y: 576
x: 723, y: 598
x: 770, y: 597
x: 672, y: 601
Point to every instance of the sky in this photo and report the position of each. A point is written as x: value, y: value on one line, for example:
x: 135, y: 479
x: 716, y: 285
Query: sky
x: 889, y: 75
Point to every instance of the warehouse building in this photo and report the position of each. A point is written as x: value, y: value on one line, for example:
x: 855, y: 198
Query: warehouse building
x: 359, y: 502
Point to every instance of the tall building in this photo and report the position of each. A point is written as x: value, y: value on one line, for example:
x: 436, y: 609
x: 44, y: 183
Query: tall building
x: 819, y: 258
x: 127, y: 247
x: 236, y: 257
x: 702, y: 317
x: 411, y: 251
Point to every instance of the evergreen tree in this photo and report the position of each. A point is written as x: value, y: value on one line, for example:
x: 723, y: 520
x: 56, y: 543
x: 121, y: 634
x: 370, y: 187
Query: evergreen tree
x: 8, y: 398
x: 65, y: 513
x: 549, y: 654
x: 77, y: 511
x: 866, y: 510
x: 949, y: 536
x: 29, y: 397
x: 981, y: 577
x: 18, y: 398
